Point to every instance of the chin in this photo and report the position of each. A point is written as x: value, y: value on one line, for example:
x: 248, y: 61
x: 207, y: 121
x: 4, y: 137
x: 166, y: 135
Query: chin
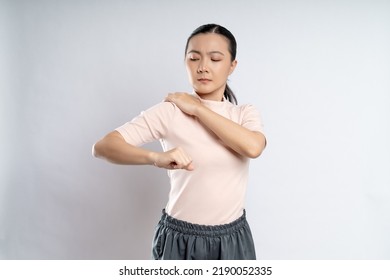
x: 201, y: 93
x: 202, y: 90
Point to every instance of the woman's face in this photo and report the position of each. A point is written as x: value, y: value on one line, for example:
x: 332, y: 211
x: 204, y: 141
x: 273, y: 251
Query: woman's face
x: 208, y: 63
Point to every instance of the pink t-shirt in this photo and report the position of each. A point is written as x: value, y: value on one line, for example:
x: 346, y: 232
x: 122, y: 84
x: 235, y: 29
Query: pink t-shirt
x: 213, y: 193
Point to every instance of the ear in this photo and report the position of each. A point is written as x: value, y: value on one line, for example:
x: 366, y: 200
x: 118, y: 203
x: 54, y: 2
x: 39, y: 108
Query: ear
x: 233, y: 66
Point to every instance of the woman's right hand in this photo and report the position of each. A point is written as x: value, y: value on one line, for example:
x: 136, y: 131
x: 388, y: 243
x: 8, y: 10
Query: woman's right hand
x: 176, y: 158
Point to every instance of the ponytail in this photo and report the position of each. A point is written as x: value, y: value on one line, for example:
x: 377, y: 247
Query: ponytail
x: 229, y: 95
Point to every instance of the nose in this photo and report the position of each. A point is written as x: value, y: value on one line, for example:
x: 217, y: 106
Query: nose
x: 202, y: 67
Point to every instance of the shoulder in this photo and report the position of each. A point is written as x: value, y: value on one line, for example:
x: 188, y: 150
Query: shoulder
x: 250, y: 117
x: 162, y: 109
x: 244, y: 109
x: 247, y: 107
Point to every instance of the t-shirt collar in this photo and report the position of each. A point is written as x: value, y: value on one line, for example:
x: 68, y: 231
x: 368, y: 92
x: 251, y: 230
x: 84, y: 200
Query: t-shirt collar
x: 206, y: 101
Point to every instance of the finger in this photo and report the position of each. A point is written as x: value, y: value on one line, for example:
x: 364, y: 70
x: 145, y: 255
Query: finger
x: 173, y: 165
x: 167, y: 99
x: 184, y: 160
x: 182, y: 164
x: 179, y: 159
x: 190, y: 167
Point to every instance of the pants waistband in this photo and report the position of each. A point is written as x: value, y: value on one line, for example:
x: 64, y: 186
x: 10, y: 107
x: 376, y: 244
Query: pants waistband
x: 203, y: 230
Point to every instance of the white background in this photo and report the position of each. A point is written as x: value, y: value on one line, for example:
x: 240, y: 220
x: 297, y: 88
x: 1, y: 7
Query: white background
x: 71, y: 71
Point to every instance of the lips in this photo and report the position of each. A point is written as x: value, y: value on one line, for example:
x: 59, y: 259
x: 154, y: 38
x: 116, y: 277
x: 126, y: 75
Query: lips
x: 203, y: 80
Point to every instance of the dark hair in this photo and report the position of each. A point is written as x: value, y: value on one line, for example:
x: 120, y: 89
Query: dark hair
x: 218, y: 29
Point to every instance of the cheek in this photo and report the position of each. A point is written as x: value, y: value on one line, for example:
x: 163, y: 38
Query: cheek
x: 223, y: 70
x: 190, y: 74
x: 191, y: 69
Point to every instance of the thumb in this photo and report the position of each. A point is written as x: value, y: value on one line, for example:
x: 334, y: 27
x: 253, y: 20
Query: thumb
x: 189, y: 167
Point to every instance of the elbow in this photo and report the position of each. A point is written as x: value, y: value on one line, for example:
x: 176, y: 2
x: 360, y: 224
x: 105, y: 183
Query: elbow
x: 254, y: 152
x: 95, y: 150
x: 99, y: 149
x: 256, y: 149
x: 105, y: 147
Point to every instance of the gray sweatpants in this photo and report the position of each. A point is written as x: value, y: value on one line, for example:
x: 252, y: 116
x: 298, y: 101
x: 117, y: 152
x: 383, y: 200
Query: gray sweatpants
x: 179, y: 240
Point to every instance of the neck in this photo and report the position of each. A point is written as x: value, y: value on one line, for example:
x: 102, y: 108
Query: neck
x: 212, y: 96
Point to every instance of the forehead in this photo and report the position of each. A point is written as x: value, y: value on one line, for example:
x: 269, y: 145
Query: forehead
x: 208, y: 42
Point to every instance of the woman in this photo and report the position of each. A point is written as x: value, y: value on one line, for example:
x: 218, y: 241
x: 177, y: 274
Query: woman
x: 207, y: 141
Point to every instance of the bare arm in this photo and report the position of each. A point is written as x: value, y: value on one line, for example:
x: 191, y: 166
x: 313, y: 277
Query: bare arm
x: 115, y: 149
x: 242, y: 140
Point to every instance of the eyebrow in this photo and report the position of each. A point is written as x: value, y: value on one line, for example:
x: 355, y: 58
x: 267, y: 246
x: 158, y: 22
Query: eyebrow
x: 212, y: 52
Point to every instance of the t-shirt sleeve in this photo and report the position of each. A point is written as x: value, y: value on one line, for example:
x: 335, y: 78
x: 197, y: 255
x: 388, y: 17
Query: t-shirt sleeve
x: 251, y: 118
x: 149, y: 126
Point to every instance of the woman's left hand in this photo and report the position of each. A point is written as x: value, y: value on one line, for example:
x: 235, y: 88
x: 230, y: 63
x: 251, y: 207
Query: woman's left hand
x: 185, y: 101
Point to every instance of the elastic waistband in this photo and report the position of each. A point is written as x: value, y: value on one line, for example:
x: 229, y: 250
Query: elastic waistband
x: 203, y: 230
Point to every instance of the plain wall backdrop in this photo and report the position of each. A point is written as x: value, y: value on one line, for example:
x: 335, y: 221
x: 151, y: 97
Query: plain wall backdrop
x: 71, y: 71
